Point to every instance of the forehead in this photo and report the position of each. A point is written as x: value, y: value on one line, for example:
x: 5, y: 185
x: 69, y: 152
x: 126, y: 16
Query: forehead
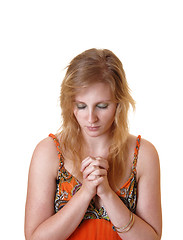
x: 95, y: 92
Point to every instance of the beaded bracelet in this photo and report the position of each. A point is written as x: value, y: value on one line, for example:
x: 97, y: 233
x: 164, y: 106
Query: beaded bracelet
x: 127, y: 227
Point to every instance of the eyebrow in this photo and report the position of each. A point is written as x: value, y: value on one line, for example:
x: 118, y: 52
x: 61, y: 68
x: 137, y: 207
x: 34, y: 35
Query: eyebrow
x: 96, y: 102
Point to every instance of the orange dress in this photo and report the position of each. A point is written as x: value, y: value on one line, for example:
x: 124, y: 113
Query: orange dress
x: 96, y: 224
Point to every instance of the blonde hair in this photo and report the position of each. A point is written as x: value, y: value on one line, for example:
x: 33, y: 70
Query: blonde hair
x: 91, y: 66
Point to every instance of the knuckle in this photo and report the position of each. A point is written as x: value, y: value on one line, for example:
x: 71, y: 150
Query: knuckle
x: 96, y: 163
x: 93, y: 168
x: 98, y: 172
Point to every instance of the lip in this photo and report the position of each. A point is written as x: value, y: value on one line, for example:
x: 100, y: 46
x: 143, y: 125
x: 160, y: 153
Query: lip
x: 93, y: 128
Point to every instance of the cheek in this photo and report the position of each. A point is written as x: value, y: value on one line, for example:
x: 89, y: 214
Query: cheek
x: 76, y: 114
x: 111, y: 119
x: 79, y: 115
x: 110, y: 116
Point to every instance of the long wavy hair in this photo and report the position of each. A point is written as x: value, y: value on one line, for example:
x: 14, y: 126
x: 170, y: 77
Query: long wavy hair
x: 91, y: 66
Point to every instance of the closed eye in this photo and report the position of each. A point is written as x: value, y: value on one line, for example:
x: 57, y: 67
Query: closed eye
x: 102, y: 105
x: 81, y: 105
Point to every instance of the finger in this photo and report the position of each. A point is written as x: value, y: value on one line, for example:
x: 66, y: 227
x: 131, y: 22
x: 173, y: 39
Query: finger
x: 92, y: 177
x: 89, y: 170
x: 98, y: 181
x: 85, y: 163
x: 96, y: 174
x: 102, y: 163
x: 100, y: 172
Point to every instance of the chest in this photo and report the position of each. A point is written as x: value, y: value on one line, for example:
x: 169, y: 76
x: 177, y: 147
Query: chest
x: 67, y: 185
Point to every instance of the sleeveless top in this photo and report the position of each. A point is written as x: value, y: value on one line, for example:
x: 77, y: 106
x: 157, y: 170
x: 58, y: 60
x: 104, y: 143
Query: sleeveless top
x: 96, y: 223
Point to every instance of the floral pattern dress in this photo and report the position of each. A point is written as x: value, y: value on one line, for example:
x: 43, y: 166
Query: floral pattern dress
x: 96, y: 223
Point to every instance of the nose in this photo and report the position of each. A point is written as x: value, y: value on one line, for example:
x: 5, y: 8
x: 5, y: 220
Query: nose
x: 92, y: 117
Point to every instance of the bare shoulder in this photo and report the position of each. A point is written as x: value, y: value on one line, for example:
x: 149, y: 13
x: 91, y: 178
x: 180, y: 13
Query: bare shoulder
x: 41, y: 185
x: 45, y: 156
x: 147, y: 149
x: 148, y: 178
x: 46, y: 145
x: 149, y: 187
x: 145, y: 145
x: 148, y: 158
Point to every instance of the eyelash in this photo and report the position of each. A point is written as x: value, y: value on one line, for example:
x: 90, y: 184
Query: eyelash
x: 81, y: 107
x: 101, y: 106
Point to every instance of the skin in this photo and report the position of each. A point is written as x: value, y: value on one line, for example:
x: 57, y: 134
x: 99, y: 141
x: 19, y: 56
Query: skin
x: 40, y: 220
x: 95, y: 113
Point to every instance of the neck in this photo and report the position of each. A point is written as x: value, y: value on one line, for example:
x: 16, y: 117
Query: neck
x: 97, y: 146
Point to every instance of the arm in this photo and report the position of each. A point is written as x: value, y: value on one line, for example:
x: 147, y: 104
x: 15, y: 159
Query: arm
x: 40, y: 220
x: 148, y: 222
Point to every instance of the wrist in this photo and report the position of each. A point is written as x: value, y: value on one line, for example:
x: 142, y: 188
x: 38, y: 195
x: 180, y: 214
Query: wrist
x: 86, y: 196
x: 106, y: 195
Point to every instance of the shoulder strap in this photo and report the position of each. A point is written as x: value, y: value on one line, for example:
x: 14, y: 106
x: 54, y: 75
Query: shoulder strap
x: 55, y: 139
x: 135, y: 157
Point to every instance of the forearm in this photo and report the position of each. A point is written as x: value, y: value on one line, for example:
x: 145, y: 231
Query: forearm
x: 119, y: 216
x: 62, y: 224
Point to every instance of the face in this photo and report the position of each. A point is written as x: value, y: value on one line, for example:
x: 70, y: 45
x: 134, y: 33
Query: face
x: 95, y: 110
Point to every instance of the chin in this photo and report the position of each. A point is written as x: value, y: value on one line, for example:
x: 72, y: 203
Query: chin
x: 93, y: 134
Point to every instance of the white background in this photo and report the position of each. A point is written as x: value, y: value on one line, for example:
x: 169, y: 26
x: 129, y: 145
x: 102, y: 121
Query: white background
x: 37, y: 41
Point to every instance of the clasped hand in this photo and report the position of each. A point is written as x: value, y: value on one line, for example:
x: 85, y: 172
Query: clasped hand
x: 95, y: 180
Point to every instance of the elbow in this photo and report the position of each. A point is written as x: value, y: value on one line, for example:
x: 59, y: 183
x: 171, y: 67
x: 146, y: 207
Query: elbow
x: 32, y: 237
x: 29, y: 235
x: 158, y: 235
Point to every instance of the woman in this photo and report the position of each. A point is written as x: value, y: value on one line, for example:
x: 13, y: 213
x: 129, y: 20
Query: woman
x: 104, y: 188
